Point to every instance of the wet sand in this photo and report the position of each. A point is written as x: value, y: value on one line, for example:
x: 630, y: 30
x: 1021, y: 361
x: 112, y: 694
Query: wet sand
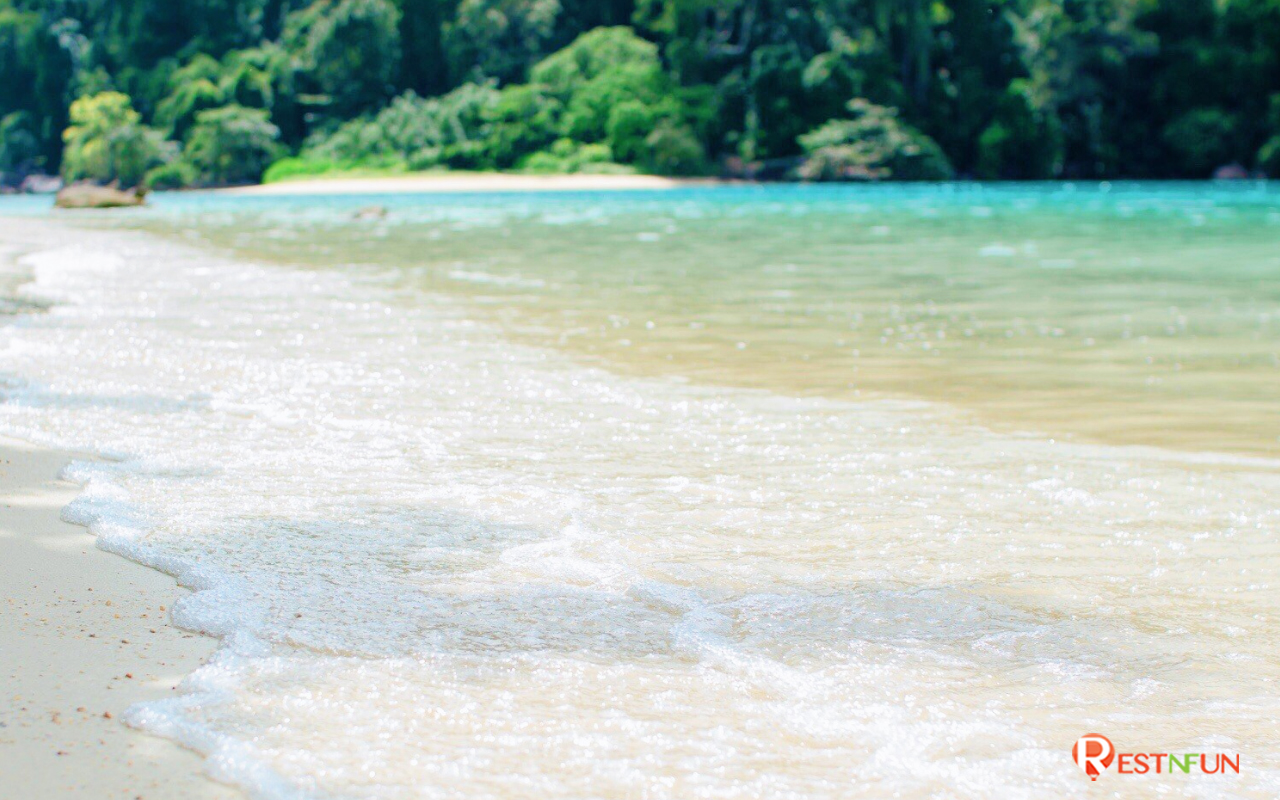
x: 83, y: 635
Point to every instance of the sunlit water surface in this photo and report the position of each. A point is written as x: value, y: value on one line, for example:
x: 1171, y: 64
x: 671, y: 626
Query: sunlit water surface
x: 1134, y: 314
x: 733, y: 493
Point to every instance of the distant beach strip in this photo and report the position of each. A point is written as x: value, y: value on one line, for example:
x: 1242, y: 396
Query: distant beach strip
x: 464, y: 182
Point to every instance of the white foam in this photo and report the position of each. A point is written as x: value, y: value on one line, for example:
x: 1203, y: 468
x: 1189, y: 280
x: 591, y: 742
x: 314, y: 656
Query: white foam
x: 444, y: 565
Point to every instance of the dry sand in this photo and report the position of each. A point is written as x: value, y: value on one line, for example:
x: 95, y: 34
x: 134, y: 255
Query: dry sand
x: 473, y: 182
x: 83, y: 635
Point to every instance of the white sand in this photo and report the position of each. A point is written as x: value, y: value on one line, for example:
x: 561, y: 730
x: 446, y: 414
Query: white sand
x: 473, y: 182
x: 83, y: 635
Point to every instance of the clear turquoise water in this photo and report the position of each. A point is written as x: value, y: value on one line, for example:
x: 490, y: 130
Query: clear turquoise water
x: 1128, y: 313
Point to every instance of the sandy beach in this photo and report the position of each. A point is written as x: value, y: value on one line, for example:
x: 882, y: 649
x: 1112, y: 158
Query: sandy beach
x: 463, y: 182
x: 83, y: 635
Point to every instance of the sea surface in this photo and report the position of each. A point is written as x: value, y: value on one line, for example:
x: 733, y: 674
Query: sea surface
x: 744, y: 492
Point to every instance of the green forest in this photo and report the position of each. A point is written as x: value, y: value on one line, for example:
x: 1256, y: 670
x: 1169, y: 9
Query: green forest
x: 215, y: 92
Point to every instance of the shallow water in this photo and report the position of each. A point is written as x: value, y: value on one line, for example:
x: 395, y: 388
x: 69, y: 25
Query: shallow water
x: 456, y: 552
x: 1131, y: 314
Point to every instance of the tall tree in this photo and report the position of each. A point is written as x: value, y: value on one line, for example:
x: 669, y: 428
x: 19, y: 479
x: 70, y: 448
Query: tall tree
x: 424, y: 67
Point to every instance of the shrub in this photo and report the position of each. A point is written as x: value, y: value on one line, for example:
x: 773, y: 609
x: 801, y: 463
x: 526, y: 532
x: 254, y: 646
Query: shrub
x: 19, y: 145
x: 175, y: 175
x: 1020, y: 142
x: 592, y: 102
x: 311, y: 167
x: 232, y: 144
x: 671, y: 148
x: 615, y: 92
x: 424, y: 133
x: 601, y: 70
x: 193, y: 88
x: 204, y: 83
x: 1202, y: 139
x: 567, y: 156
x: 873, y: 145
x: 107, y: 142
x: 630, y: 123
x: 246, y: 78
x: 299, y: 167
x: 592, y: 54
x: 523, y: 120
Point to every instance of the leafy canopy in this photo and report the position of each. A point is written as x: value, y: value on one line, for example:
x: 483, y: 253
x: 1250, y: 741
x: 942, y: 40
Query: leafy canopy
x: 107, y: 142
x: 1004, y: 89
x: 873, y: 144
x: 232, y: 144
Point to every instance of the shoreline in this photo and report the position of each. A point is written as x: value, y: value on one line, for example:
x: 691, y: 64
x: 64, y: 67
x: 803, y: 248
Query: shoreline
x: 427, y: 182
x: 85, y: 634
x: 1064, y: 503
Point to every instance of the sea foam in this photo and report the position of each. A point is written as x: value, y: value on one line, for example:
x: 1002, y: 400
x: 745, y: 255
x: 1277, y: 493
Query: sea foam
x: 444, y: 564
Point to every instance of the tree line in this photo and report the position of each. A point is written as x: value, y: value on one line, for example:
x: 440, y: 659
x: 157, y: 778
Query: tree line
x: 211, y: 92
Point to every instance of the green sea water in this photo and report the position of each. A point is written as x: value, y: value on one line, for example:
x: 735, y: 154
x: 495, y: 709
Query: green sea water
x: 1131, y: 313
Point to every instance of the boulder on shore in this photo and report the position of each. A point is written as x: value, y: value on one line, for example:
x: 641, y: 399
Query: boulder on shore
x: 1231, y: 172
x: 88, y: 195
x: 41, y: 184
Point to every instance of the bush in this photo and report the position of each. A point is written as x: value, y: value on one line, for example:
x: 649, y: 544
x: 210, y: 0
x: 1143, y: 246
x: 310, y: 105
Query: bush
x: 630, y: 123
x: 246, y: 78
x: 523, y: 120
x: 19, y: 145
x: 592, y: 54
x: 299, y: 167
x: 873, y: 145
x: 592, y: 102
x: 175, y: 175
x: 654, y: 137
x: 566, y: 156
x: 232, y: 145
x: 1202, y: 140
x: 604, y: 97
x: 673, y: 149
x: 302, y: 167
x: 423, y: 133
x: 613, y: 91
x: 107, y: 142
x: 1021, y: 142
x: 193, y: 88
x: 204, y: 83
x: 600, y: 71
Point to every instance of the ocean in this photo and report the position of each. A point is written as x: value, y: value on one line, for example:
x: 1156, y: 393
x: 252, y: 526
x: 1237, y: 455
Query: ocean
x: 859, y: 491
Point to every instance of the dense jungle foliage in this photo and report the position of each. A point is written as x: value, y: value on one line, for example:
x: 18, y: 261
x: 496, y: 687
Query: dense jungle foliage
x: 210, y: 92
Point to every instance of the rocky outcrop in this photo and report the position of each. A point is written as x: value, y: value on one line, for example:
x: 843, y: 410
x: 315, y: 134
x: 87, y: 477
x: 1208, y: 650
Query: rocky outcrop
x: 1231, y: 172
x: 41, y: 184
x: 88, y: 195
